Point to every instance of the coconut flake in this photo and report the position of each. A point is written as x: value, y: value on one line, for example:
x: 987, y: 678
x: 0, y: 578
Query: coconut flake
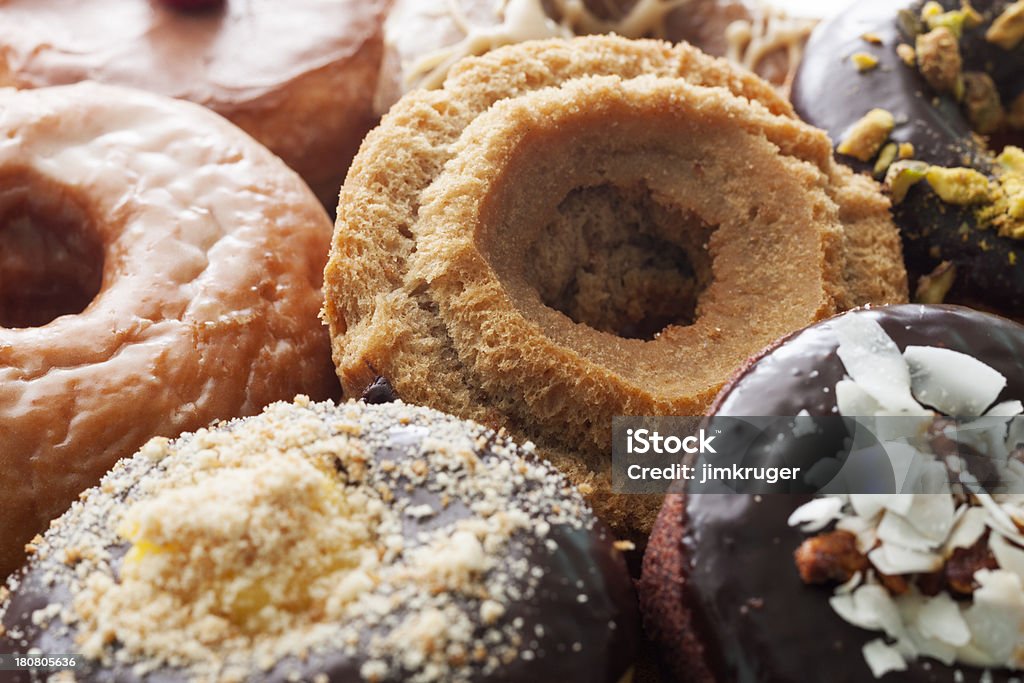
x: 868, y: 505
x: 1009, y: 556
x: 816, y: 514
x: 932, y: 515
x: 967, y: 530
x: 870, y: 606
x: 897, y: 530
x: 874, y: 362
x: 996, y: 517
x: 864, y: 529
x: 882, y: 658
x: 997, y: 613
x: 853, y: 401
x: 1006, y: 409
x: 940, y: 618
x: 952, y: 382
x: 893, y: 559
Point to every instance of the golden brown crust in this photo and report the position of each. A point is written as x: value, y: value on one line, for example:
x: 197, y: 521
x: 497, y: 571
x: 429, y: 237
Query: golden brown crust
x: 428, y: 283
x: 212, y: 252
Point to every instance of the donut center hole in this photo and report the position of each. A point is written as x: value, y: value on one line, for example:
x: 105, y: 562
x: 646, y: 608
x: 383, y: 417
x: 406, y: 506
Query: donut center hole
x: 51, y: 261
x: 616, y: 259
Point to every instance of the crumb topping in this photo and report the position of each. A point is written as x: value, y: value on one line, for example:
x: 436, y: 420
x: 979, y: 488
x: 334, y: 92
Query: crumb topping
x: 270, y: 539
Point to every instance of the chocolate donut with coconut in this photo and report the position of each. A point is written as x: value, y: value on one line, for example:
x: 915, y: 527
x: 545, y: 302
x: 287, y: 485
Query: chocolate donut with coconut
x: 922, y: 586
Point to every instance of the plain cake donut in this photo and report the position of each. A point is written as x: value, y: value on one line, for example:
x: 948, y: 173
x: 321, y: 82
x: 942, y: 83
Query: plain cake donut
x: 159, y: 269
x: 298, y: 76
x: 572, y: 230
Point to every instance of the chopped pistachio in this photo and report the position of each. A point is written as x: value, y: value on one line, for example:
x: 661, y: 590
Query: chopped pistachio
x: 864, y: 61
x: 933, y: 287
x: 1006, y: 212
x: 872, y: 38
x: 910, y: 23
x: 981, y: 102
x: 906, y: 150
x: 865, y: 137
x: 885, y: 159
x: 907, y: 54
x: 972, y: 17
x: 930, y: 9
x: 1008, y: 28
x: 960, y: 186
x: 938, y: 59
x: 955, y: 20
x: 1012, y: 159
x: 1014, y: 190
x: 901, y: 176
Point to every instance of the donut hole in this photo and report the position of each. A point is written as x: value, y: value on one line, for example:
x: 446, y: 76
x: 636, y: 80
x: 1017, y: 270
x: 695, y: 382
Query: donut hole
x: 619, y: 261
x: 51, y: 260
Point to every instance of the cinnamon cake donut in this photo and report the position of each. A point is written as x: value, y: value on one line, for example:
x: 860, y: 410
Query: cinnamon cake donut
x: 159, y: 269
x: 572, y: 230
x: 733, y: 589
x: 315, y: 542
x: 929, y: 103
x: 298, y: 76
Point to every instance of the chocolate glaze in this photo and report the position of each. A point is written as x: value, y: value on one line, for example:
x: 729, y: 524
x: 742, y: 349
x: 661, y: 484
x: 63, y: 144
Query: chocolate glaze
x: 829, y: 93
x: 379, y: 391
x: 753, y: 616
x: 585, y: 562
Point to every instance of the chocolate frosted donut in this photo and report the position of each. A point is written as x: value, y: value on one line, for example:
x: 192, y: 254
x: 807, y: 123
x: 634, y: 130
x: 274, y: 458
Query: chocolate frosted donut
x: 329, y: 543
x: 572, y: 230
x: 720, y: 592
x: 159, y: 269
x: 940, y: 127
x: 298, y: 75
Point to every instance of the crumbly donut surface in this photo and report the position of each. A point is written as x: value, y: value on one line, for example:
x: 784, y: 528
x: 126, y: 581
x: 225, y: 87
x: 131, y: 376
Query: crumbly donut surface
x: 451, y: 213
x: 211, y: 252
x: 379, y: 543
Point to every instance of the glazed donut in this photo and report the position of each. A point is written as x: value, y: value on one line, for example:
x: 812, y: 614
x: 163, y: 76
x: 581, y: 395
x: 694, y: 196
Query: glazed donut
x: 422, y: 41
x: 721, y: 594
x: 159, y: 269
x: 572, y: 230
x: 973, y: 233
x: 297, y: 76
x: 331, y: 543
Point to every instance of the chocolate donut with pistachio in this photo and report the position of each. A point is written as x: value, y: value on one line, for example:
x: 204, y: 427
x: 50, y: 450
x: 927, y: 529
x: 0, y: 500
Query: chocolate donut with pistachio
x: 742, y: 588
x: 326, y: 543
x: 926, y: 96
